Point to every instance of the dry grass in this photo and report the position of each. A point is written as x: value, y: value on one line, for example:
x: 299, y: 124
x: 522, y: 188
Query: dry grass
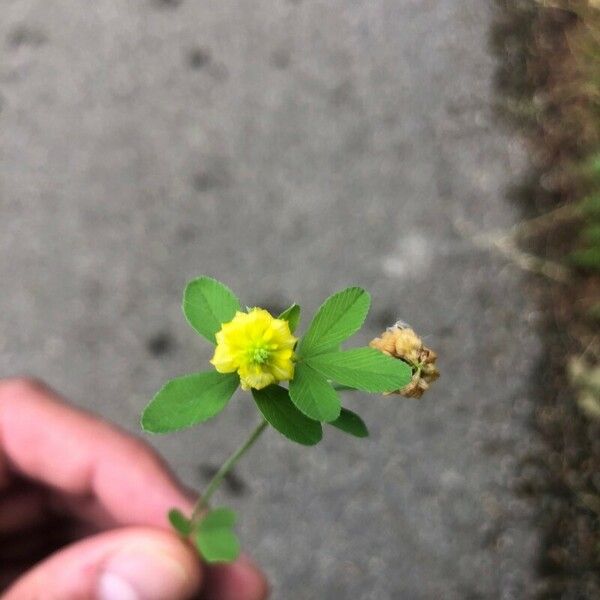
x: 549, y: 82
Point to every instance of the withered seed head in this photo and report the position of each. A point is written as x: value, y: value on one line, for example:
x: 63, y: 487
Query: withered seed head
x: 400, y: 341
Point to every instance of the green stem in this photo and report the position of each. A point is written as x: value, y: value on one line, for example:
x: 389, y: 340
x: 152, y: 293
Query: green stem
x: 216, y: 481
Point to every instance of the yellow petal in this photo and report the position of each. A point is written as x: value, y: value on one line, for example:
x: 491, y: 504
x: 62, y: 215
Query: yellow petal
x: 283, y: 371
x: 224, y: 360
x: 255, y: 378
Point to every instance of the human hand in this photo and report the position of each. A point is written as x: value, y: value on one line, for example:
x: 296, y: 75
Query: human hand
x: 82, y: 512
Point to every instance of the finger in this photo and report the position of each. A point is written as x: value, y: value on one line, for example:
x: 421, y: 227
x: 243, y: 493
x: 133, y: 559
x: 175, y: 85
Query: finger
x: 125, y: 564
x: 46, y: 440
x: 240, y: 580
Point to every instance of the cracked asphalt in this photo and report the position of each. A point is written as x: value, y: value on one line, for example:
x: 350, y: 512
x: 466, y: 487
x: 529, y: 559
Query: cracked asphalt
x: 289, y: 148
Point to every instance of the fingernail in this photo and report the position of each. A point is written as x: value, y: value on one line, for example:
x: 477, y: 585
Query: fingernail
x: 114, y: 586
x: 143, y: 574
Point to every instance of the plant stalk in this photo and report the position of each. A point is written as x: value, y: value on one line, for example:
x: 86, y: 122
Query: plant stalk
x: 215, y: 482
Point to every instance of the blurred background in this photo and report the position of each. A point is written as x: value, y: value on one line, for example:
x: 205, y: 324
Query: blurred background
x: 291, y: 148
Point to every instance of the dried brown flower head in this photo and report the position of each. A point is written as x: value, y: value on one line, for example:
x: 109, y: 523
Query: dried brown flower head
x: 400, y: 341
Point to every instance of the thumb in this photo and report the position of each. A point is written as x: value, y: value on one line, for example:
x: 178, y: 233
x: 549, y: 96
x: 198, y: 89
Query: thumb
x: 124, y: 564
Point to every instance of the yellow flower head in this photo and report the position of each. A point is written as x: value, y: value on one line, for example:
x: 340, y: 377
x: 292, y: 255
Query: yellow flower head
x: 256, y: 345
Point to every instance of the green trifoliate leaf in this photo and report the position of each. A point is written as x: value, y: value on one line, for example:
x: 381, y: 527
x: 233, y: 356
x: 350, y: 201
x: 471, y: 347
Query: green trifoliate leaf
x: 363, y: 368
x: 276, y: 407
x: 207, y: 304
x: 292, y: 316
x: 350, y: 422
x: 215, y: 538
x: 180, y: 522
x: 339, y: 317
x: 313, y: 395
x: 189, y: 400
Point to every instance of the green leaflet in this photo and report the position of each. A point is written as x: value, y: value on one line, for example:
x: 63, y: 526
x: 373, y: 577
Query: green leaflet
x: 363, y: 368
x: 340, y: 316
x: 276, y: 407
x: 215, y: 538
x: 292, y: 316
x: 180, y: 522
x: 188, y: 400
x: 207, y: 304
x: 313, y: 395
x: 350, y: 422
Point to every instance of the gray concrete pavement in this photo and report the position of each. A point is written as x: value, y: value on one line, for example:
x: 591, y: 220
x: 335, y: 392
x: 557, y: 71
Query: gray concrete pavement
x: 289, y: 148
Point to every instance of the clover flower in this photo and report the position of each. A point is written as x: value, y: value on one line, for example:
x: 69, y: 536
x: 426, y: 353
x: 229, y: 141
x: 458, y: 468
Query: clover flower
x: 256, y: 345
